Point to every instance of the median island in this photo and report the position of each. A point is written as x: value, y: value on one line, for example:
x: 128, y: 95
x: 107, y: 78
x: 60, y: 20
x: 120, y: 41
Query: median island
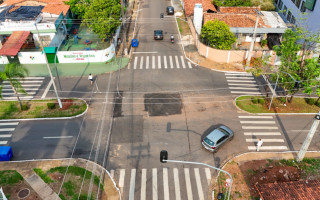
x: 48, y: 108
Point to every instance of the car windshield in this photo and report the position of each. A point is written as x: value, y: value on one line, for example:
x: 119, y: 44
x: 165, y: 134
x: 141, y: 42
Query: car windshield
x: 158, y: 32
x: 224, y: 131
x: 208, y: 141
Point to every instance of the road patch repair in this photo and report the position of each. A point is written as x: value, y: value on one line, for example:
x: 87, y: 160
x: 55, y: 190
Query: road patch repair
x: 118, y: 95
x: 163, y: 104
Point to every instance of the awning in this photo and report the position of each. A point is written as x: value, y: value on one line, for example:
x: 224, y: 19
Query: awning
x: 14, y: 43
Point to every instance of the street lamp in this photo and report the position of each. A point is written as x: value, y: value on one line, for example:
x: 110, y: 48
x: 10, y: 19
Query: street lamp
x: 164, y: 159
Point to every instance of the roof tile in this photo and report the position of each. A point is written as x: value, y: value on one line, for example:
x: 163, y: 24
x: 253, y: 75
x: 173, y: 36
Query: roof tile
x: 189, y: 6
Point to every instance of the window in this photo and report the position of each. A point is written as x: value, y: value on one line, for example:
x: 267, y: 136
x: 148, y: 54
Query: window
x: 293, y: 20
x: 302, y: 9
x: 285, y: 10
x: 289, y: 16
x: 298, y: 2
x: 280, y: 4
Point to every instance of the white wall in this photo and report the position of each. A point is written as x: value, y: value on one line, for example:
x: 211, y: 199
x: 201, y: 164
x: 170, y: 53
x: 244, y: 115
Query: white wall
x: 31, y: 58
x: 4, y: 60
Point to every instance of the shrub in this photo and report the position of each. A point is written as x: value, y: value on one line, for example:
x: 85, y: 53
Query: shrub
x: 310, y: 101
x: 268, y: 6
x: 317, y: 103
x: 254, y: 100
x: 261, y: 101
x: 25, y: 107
x: 264, y: 43
x: 51, y: 105
x: 282, y: 99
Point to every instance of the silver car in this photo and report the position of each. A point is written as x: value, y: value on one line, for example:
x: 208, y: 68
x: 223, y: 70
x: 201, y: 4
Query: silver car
x: 217, y: 138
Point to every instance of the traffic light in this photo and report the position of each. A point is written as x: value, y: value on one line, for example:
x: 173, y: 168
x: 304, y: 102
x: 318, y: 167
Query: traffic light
x: 163, y: 156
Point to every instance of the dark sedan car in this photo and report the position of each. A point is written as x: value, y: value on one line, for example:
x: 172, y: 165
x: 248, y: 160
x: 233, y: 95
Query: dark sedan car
x: 170, y: 10
x: 158, y: 35
x: 217, y: 138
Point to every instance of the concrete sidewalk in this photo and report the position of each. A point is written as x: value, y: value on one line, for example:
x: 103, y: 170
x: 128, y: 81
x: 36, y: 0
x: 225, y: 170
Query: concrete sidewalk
x: 25, y: 168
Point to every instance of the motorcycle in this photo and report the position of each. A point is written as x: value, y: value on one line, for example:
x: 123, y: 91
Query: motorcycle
x: 172, y: 39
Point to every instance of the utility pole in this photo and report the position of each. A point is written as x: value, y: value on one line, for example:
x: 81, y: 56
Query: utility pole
x: 253, y: 37
x: 309, y: 137
x: 54, y: 85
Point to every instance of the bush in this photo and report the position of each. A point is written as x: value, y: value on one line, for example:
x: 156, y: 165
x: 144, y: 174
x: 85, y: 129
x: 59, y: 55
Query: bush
x: 268, y: 6
x: 261, y: 101
x: 317, y: 103
x: 51, y: 105
x: 282, y: 99
x: 25, y: 107
x: 254, y: 100
x: 264, y: 43
x: 310, y: 101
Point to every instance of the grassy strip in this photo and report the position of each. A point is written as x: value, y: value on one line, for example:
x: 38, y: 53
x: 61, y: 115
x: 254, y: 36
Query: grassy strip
x: 43, y: 175
x: 78, y: 171
x: 183, y: 27
x: 10, y: 177
x: 308, y: 166
x: 39, y: 109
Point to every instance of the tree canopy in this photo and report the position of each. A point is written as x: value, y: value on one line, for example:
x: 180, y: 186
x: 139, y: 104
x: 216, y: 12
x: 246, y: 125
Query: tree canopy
x: 232, y: 2
x: 217, y: 34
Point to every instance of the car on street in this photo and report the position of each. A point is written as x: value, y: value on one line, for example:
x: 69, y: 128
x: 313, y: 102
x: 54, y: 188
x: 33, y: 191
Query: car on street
x: 216, y: 138
x: 158, y: 35
x: 170, y: 10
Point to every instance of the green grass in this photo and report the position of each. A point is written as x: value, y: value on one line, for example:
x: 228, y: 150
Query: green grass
x: 69, y: 188
x: 43, y: 175
x: 309, y: 166
x: 10, y: 177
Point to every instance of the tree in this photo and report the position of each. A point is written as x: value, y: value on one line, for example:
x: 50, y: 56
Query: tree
x: 13, y: 72
x: 78, y: 7
x: 232, y: 2
x: 295, y: 53
x: 103, y: 17
x: 217, y: 34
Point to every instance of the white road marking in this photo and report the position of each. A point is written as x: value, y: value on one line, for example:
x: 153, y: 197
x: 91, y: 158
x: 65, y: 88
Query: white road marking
x: 208, y: 175
x: 182, y: 61
x: 145, y: 52
x: 262, y: 133
x: 244, y: 92
x: 259, y: 127
x: 153, y: 62
x: 12, y: 93
x: 232, y: 77
x: 241, y: 81
x: 112, y: 173
x: 243, y: 88
x: 26, y: 89
x: 165, y: 62
x: 23, y: 85
x: 254, y: 148
x: 7, y: 129
x: 256, y: 117
x: 143, y: 184
x: 159, y: 62
x: 165, y: 184
x: 58, y: 137
x: 30, y: 77
x: 25, y: 81
x: 189, y: 64
x: 3, y: 142
x: 135, y: 63
x: 121, y: 178
x: 257, y: 122
x: 154, y: 184
x: 9, y: 123
x: 176, y: 183
x: 6, y: 136
x: 132, y: 184
x: 14, y: 98
x: 265, y: 140
x: 141, y: 62
x: 171, y: 63
x: 177, y: 61
x: 248, y: 85
x: 198, y: 181
x: 188, y: 183
x: 147, y: 63
x: 238, y: 74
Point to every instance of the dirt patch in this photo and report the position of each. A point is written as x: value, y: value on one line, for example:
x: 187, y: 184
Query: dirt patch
x: 12, y: 191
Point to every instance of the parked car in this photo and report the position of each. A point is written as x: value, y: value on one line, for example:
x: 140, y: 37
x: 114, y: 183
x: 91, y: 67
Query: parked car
x: 158, y: 35
x: 217, y: 137
x: 170, y: 10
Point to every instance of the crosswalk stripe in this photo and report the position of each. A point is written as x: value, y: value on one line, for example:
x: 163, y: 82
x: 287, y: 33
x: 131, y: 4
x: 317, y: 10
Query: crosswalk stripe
x: 188, y: 183
x: 165, y: 184
x: 265, y: 140
x: 248, y: 85
x: 232, y: 77
x: 3, y: 142
x: 171, y: 63
x: 257, y: 122
x: 25, y: 81
x: 256, y: 117
x: 154, y: 184
x: 189, y: 64
x: 153, y: 62
x: 243, y: 88
x: 253, y: 148
x: 9, y: 123
x: 198, y: 181
x: 23, y: 85
x: 165, y: 62
x: 31, y: 77
x: 12, y: 93
x: 147, y: 63
x: 241, y: 81
x: 159, y: 62
x: 177, y: 61
x: 262, y: 133
x: 176, y: 183
x: 7, y: 129
x: 141, y: 62
x: 26, y: 89
x: 244, y: 92
x: 135, y: 63
x: 182, y: 60
x: 22, y: 98
x: 238, y: 74
x: 208, y: 175
x: 259, y: 127
x: 112, y: 173
x: 6, y: 136
x: 132, y: 184
x: 143, y: 184
x: 121, y: 179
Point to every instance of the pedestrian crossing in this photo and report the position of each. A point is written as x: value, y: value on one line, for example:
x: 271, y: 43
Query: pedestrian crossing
x: 30, y: 84
x: 264, y: 128
x: 242, y: 83
x: 159, y: 62
x: 163, y: 183
x: 6, y: 128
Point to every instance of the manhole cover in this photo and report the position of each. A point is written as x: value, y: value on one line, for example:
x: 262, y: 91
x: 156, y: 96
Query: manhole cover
x: 23, y: 193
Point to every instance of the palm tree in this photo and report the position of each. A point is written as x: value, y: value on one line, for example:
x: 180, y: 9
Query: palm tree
x: 14, y: 72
